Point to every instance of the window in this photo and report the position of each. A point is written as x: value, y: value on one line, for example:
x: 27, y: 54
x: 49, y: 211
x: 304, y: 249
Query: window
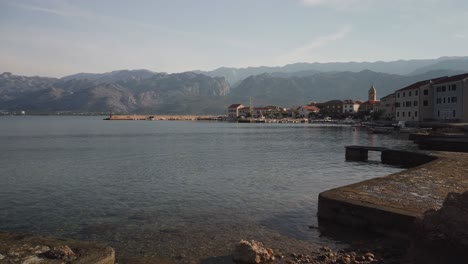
x: 426, y: 92
x: 398, y: 114
x: 444, y: 100
x: 398, y: 95
x: 443, y: 88
x: 403, y: 94
x: 415, y: 113
x: 409, y: 93
x: 425, y: 103
x: 439, y: 100
x: 415, y: 103
x: 403, y: 114
x: 454, y: 99
x: 448, y: 100
x: 454, y: 113
x: 409, y: 114
x: 438, y: 89
x: 416, y: 93
x: 454, y: 87
x: 438, y: 113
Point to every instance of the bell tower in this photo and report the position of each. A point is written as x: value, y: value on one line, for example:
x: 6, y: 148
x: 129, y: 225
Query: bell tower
x: 372, y: 94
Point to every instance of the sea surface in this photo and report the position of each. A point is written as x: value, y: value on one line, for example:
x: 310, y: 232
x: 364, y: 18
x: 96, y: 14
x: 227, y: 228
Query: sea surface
x: 176, y: 189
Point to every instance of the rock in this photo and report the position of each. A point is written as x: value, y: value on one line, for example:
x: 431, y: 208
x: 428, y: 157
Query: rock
x: 1, y: 257
x: 252, y: 252
x: 60, y: 252
x: 449, y: 223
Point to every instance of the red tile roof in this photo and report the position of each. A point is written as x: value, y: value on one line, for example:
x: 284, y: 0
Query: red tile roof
x: 310, y: 108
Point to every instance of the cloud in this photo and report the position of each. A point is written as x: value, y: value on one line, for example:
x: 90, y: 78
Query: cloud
x: 460, y: 36
x: 69, y: 11
x: 306, y: 51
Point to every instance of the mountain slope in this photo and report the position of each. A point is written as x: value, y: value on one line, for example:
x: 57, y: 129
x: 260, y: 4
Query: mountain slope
x: 401, y: 67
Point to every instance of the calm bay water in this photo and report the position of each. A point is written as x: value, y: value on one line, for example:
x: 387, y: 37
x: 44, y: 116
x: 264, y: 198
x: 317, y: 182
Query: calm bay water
x: 166, y: 188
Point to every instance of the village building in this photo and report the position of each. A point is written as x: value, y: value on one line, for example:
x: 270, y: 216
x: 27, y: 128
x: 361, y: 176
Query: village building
x: 333, y: 108
x: 415, y: 102
x: 350, y: 106
x: 264, y: 111
x: 305, y: 111
x: 450, y: 98
x: 371, y: 103
x: 234, y: 110
x: 387, y: 106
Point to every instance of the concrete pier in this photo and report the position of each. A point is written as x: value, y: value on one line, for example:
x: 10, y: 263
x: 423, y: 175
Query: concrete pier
x: 391, y: 204
x: 360, y: 153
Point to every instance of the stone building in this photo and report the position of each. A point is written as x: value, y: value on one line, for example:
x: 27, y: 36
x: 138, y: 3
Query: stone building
x: 369, y: 105
x: 387, y: 106
x: 450, y: 98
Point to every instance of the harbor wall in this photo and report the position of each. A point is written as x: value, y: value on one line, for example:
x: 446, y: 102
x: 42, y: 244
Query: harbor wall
x: 392, y: 203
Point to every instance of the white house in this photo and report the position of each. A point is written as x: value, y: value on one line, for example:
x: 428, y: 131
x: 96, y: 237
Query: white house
x: 450, y: 98
x: 304, y: 111
x: 350, y: 106
x: 233, y: 110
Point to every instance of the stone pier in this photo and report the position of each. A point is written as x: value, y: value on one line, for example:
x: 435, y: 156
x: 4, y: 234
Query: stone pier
x: 391, y: 204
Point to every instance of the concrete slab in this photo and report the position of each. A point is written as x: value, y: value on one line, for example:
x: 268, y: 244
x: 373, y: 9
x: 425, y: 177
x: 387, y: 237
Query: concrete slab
x: 393, y: 202
x: 16, y: 248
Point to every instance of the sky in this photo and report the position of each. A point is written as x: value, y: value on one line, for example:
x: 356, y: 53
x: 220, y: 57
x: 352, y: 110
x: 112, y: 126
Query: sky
x: 59, y: 37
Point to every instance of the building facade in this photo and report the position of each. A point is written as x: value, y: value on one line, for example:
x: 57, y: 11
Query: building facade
x: 304, y: 111
x: 450, y: 98
x: 350, y: 106
x: 333, y: 108
x: 407, y: 101
x: 415, y: 102
x: 387, y: 106
x: 233, y: 110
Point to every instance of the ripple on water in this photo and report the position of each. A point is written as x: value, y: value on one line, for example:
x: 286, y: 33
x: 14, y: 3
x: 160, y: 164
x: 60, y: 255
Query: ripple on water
x: 171, y: 188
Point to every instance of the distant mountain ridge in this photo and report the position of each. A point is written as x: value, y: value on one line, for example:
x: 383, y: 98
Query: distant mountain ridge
x: 400, y: 67
x: 143, y: 91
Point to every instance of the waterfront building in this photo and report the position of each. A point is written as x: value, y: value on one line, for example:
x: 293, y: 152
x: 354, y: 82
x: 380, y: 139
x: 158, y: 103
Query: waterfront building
x: 333, y: 107
x: 450, y: 98
x: 408, y: 105
x: 387, y: 106
x: 264, y: 111
x: 233, y: 110
x: 304, y: 111
x: 415, y: 102
x: 350, y: 106
x: 371, y: 103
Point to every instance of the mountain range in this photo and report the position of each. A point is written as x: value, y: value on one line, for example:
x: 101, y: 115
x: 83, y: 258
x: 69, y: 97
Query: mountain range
x: 143, y: 91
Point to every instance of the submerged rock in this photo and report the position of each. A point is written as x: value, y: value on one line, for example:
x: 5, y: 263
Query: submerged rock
x: 252, y: 252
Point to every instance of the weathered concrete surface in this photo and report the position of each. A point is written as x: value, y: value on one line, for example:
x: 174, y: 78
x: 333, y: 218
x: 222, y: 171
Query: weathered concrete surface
x: 15, y: 248
x: 393, y: 202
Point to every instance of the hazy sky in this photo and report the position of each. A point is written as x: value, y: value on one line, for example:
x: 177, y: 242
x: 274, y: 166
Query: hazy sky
x: 58, y: 37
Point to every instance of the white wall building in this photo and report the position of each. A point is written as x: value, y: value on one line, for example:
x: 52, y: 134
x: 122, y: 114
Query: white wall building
x: 451, y: 98
x: 233, y: 110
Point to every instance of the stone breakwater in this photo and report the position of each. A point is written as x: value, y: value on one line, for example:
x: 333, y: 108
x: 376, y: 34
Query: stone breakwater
x: 393, y: 203
x: 166, y: 117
